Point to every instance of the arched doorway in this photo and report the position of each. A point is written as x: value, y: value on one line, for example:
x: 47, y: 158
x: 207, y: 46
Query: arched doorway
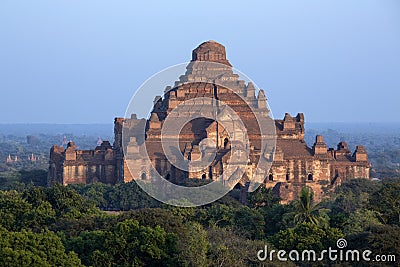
x: 226, y: 143
x: 238, y: 186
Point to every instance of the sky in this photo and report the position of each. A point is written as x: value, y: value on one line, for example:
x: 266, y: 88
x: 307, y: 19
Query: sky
x: 81, y: 61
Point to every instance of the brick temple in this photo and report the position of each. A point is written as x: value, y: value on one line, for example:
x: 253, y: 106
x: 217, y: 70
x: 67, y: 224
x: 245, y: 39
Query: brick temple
x: 294, y: 164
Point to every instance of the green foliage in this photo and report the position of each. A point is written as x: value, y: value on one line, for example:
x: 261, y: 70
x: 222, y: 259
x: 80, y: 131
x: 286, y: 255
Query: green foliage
x: 36, y: 207
x: 88, y: 244
x: 262, y: 197
x: 227, y: 248
x: 276, y: 217
x: 73, y: 227
x: 26, y: 248
x: 121, y: 197
x: 306, y: 210
x: 360, y: 220
x: 13, y: 210
x: 142, y: 245
x: 224, y: 233
x: 68, y: 203
x: 216, y: 215
x: 380, y: 239
x: 386, y: 201
x: 354, y: 195
x: 193, y: 246
x: 155, y: 217
x: 249, y: 222
x: 348, y: 198
x: 306, y: 235
x: 185, y: 213
x: 127, y: 243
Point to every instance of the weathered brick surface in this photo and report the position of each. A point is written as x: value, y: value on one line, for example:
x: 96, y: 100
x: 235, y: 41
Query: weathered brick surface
x: 295, y: 164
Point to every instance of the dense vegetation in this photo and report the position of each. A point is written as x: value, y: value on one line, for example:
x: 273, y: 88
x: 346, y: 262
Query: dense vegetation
x: 103, y: 225
x: 67, y: 226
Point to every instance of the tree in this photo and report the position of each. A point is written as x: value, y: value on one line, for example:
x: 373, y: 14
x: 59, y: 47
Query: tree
x: 13, y: 210
x: 262, y: 197
x: 348, y: 198
x: 126, y: 244
x: 216, y: 215
x: 250, y: 222
x: 131, y: 243
x: 353, y: 195
x: 380, y: 239
x: 306, y: 235
x: 68, y: 203
x: 26, y: 248
x: 95, y: 192
x: 274, y: 218
x: 386, y: 201
x: 360, y: 220
x: 155, y: 217
x: 230, y: 249
x: 90, y: 246
x: 193, y: 246
x: 306, y: 210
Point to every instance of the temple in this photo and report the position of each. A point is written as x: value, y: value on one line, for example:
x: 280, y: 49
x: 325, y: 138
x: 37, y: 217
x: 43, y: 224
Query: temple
x: 293, y: 166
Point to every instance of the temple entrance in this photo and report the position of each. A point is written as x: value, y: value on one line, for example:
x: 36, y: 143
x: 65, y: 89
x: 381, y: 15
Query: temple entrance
x: 226, y: 142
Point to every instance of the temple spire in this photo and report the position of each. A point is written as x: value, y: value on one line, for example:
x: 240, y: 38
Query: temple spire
x: 210, y: 51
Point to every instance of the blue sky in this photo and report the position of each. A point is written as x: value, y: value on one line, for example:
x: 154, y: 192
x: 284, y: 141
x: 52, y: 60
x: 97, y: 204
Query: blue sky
x: 81, y: 61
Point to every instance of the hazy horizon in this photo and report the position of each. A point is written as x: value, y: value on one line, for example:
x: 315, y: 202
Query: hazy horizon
x: 106, y: 129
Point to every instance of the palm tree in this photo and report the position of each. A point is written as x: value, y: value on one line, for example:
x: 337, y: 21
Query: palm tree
x: 306, y: 210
